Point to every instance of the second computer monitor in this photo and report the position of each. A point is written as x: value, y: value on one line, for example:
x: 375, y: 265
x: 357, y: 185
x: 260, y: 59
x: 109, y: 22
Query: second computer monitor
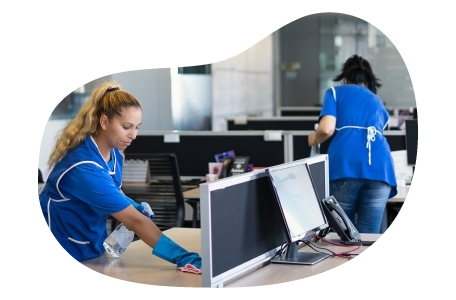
x: 298, y: 200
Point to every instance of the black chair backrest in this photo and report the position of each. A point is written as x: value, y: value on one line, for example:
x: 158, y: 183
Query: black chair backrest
x: 40, y: 176
x: 164, y: 193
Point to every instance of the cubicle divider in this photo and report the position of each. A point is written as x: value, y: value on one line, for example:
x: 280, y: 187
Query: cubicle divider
x: 272, y: 123
x: 195, y: 149
x: 300, y: 148
x: 299, y: 111
x: 295, y: 123
x: 295, y: 111
x: 241, y: 225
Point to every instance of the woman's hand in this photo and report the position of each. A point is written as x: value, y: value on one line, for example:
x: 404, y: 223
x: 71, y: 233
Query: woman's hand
x: 312, y: 139
x: 324, y: 131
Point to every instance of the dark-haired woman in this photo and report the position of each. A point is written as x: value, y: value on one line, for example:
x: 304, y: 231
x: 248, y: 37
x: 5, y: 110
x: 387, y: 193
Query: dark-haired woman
x: 361, y: 170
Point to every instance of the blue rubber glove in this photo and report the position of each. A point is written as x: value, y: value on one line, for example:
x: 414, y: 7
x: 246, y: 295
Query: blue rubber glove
x: 143, y: 208
x: 136, y: 205
x: 170, y: 251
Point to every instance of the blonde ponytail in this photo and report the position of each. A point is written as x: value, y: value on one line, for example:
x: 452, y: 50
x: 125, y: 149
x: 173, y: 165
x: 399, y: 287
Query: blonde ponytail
x: 106, y: 99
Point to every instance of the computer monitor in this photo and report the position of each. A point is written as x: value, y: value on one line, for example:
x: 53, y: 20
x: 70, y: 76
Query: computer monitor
x: 411, y: 140
x: 300, y: 207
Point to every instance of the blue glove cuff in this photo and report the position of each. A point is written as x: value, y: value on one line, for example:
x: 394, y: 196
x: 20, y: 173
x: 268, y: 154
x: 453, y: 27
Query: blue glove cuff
x: 136, y: 205
x: 170, y: 251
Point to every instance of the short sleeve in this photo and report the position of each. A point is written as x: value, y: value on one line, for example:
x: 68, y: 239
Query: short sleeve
x: 94, y: 186
x: 329, y: 105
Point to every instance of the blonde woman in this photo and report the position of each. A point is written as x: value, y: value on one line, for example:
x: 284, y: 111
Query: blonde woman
x: 83, y: 187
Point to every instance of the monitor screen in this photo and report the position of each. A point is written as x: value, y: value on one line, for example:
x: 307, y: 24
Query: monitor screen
x: 411, y: 140
x: 297, y: 199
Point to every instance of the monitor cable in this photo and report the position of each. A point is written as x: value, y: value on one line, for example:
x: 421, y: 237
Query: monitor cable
x: 346, y: 254
x: 281, y: 251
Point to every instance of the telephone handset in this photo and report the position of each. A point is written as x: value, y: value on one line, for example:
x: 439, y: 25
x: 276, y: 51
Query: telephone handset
x: 339, y: 221
x: 227, y: 164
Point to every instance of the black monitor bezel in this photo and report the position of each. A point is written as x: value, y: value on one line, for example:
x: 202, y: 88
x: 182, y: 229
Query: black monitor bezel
x: 310, y: 232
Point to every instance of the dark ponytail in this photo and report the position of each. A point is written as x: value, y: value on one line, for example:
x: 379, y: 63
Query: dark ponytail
x: 358, y: 70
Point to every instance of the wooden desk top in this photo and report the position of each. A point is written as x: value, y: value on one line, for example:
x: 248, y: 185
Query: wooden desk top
x: 138, y: 268
x: 332, y: 272
x: 138, y: 264
x: 192, y: 194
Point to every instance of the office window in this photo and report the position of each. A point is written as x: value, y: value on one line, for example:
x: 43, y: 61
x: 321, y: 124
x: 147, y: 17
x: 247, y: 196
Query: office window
x: 341, y: 36
x: 202, y: 69
x: 69, y: 106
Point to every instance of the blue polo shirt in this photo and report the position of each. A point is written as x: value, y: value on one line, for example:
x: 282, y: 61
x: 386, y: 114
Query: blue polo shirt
x: 359, y: 114
x: 82, y: 190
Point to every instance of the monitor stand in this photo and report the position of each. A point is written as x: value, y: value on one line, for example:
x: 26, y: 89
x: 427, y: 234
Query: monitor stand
x: 299, y: 258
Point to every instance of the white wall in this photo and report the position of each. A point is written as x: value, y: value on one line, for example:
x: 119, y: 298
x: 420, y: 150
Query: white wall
x: 243, y: 84
x: 191, y: 101
x: 47, y: 143
x: 152, y: 88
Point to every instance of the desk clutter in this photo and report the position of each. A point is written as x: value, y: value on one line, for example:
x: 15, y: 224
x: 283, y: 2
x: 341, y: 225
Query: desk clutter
x: 137, y: 170
x: 228, y: 164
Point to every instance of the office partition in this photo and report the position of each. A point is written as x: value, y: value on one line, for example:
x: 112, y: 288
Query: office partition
x: 271, y: 123
x: 301, y: 149
x: 195, y: 149
x: 241, y: 225
x: 299, y: 111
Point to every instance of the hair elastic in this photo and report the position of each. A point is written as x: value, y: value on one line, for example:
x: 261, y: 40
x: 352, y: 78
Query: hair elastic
x: 112, y: 89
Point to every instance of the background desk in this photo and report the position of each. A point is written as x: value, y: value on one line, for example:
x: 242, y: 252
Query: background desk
x: 143, y: 189
x: 192, y: 198
x: 137, y: 264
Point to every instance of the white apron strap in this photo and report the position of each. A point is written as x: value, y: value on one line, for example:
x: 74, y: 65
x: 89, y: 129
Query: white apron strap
x: 371, y: 132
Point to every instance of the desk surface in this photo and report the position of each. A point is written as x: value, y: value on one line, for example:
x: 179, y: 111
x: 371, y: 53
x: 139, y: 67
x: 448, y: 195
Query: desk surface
x: 192, y: 194
x: 137, y: 264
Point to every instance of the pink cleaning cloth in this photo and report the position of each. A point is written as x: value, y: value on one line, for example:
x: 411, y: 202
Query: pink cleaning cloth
x: 190, y: 268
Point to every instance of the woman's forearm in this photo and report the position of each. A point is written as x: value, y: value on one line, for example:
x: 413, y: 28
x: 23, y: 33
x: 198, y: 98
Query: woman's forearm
x: 141, y: 225
x: 321, y: 136
x: 148, y: 232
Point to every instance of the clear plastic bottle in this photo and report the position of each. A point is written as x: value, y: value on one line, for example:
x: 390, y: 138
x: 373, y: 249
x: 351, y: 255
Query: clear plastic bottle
x: 315, y: 150
x: 121, y: 237
x: 118, y: 241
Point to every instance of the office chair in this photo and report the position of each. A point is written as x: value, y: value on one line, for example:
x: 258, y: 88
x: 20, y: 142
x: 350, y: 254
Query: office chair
x: 164, y: 192
x: 40, y: 176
